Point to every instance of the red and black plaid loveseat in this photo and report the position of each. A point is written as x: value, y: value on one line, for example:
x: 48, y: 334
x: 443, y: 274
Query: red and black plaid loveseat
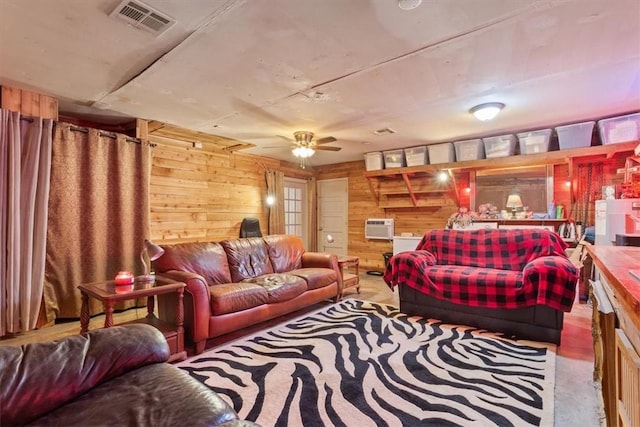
x: 518, y: 282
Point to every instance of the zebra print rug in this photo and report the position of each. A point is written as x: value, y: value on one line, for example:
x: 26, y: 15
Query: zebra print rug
x: 359, y: 363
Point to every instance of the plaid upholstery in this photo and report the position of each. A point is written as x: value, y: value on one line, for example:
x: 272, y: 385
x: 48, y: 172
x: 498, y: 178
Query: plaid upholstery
x: 489, y: 268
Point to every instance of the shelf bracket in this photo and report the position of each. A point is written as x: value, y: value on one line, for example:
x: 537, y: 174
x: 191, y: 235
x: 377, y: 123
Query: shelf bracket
x: 407, y: 182
x: 374, y: 194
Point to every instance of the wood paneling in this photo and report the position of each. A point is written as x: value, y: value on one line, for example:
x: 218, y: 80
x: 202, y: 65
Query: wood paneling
x: 362, y: 205
x: 202, y: 194
x: 29, y: 103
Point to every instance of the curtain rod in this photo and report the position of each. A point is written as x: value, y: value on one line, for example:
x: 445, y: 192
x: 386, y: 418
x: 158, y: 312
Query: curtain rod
x: 111, y: 136
x: 85, y: 130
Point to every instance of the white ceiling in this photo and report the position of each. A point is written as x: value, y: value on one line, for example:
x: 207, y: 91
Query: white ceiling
x: 253, y: 70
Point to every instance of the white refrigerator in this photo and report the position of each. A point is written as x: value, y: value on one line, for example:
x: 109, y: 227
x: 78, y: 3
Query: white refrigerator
x: 610, y: 219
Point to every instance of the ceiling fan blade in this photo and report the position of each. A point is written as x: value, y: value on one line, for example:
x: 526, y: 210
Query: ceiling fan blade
x: 327, y: 148
x: 326, y: 140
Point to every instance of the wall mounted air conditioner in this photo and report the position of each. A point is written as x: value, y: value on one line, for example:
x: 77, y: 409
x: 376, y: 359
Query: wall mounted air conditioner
x: 378, y: 228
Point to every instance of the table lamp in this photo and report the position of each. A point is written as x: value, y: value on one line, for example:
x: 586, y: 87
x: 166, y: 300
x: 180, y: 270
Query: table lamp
x: 154, y: 252
x: 514, y: 202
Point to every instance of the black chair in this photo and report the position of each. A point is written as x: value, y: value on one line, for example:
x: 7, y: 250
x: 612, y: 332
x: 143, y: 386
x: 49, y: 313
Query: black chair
x: 250, y: 227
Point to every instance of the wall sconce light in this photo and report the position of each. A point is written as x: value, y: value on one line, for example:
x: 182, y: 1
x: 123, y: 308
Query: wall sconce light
x: 487, y: 111
x: 443, y: 176
x: 154, y: 252
x: 271, y: 200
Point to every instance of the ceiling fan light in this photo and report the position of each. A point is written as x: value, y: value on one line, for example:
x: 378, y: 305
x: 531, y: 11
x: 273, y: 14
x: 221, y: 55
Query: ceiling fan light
x: 303, y: 152
x: 487, y: 111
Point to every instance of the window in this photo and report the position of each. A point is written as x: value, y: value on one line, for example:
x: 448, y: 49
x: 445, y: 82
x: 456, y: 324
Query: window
x: 295, y: 208
x: 533, y: 184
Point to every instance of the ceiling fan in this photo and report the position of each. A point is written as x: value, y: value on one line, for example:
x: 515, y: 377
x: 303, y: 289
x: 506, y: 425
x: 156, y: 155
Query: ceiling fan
x: 305, y: 146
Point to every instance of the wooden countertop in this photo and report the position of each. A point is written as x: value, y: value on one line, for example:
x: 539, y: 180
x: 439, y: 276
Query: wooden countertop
x: 614, y: 262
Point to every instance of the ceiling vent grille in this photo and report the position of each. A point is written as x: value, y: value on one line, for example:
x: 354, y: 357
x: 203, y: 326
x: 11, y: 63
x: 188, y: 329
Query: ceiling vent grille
x: 384, y: 131
x: 143, y: 16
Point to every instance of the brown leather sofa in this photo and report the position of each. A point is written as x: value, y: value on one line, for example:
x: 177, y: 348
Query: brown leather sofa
x: 236, y: 283
x: 115, y: 376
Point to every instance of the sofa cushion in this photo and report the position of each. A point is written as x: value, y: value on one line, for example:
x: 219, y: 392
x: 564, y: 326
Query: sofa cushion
x: 316, y: 277
x: 248, y: 258
x: 233, y: 297
x: 485, y: 287
x: 280, y: 287
x: 285, y: 252
x: 491, y: 248
x: 207, y: 259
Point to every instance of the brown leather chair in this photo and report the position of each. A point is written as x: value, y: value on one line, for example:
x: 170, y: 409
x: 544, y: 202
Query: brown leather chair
x: 113, y: 376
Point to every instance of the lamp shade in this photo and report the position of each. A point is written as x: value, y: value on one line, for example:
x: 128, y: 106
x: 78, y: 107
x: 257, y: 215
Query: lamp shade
x: 154, y: 252
x: 514, y: 201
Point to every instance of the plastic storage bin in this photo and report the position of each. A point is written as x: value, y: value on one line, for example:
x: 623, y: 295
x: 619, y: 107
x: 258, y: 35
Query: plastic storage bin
x: 619, y: 129
x: 499, y: 146
x: 577, y: 135
x: 535, y: 141
x: 416, y: 156
x: 393, y: 159
x: 373, y: 161
x: 471, y: 149
x: 441, y: 153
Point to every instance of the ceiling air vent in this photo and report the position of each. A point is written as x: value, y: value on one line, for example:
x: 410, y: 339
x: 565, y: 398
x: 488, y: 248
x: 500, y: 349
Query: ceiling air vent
x: 384, y: 131
x: 142, y: 16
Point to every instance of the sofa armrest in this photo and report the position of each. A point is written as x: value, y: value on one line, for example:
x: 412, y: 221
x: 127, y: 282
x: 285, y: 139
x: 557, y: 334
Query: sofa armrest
x: 319, y: 260
x: 197, y: 305
x: 407, y: 264
x: 555, y: 279
x: 37, y: 378
x: 323, y: 260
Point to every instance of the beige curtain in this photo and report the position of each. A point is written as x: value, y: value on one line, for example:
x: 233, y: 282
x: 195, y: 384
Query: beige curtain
x: 312, y: 190
x: 275, y: 188
x: 99, y: 214
x: 25, y: 163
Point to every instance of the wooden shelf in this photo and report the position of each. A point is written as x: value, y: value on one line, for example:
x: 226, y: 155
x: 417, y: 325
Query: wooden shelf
x: 410, y: 190
x: 417, y: 183
x: 406, y: 192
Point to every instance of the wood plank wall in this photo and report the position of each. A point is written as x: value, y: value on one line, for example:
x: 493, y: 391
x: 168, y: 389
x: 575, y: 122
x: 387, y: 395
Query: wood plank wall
x: 362, y: 206
x: 202, y: 194
x: 29, y: 103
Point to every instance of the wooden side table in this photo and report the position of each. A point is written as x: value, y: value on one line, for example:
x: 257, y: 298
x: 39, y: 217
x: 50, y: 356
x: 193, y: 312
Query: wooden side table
x: 109, y: 294
x: 349, y: 279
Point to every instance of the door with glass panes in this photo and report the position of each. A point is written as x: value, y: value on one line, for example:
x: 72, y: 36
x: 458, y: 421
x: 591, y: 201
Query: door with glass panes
x: 295, y: 208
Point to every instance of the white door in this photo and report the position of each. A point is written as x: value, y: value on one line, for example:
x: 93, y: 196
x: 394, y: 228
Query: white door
x: 333, y: 215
